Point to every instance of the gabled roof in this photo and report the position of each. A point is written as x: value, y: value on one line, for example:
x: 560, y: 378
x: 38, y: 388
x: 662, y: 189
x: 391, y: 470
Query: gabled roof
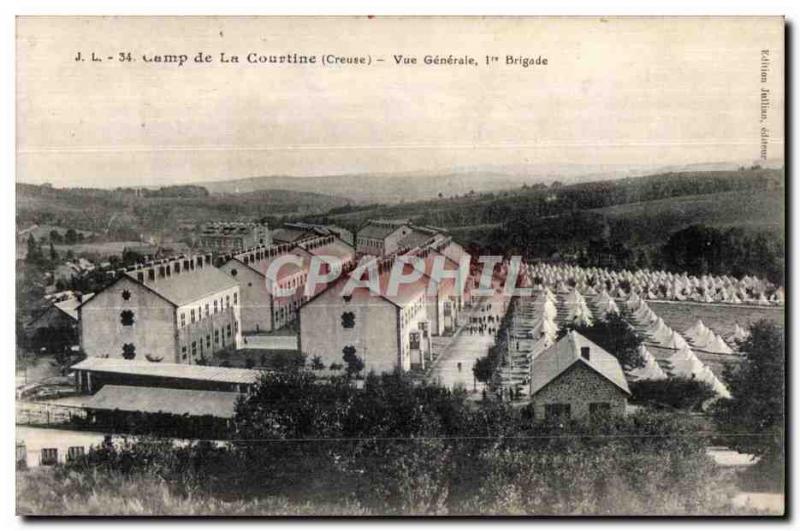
x: 380, y: 229
x: 556, y: 359
x: 164, y: 400
x: 415, y: 238
x: 289, y: 235
x: 188, y: 286
x: 169, y: 370
x: 70, y: 306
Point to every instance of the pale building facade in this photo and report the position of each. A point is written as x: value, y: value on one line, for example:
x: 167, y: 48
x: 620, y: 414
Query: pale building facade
x: 386, y: 331
x: 232, y: 236
x: 381, y: 237
x: 181, y: 310
x: 262, y: 310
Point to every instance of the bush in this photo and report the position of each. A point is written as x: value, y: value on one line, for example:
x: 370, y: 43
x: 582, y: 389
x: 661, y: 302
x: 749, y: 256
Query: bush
x: 678, y: 393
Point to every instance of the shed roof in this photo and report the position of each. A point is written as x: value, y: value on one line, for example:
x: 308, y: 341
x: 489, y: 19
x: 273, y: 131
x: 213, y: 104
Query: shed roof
x: 169, y: 370
x: 555, y: 360
x: 163, y: 400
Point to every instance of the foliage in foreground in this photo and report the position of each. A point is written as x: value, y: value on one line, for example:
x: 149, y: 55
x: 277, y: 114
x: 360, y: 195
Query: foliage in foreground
x: 103, y: 492
x: 675, y: 392
x: 754, y: 416
x: 399, y: 448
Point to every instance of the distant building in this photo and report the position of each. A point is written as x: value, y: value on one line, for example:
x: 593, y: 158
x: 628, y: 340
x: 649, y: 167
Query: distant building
x: 57, y: 326
x: 233, y: 236
x: 178, y: 310
x: 297, y: 231
x: 386, y: 331
x: 262, y: 311
x: 577, y: 379
x: 382, y: 237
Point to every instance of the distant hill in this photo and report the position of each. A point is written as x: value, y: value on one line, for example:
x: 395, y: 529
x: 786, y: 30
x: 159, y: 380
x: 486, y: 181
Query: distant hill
x: 420, y: 186
x: 129, y: 213
x: 491, y: 208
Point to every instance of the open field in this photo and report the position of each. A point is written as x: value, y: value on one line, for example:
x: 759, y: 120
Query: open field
x: 761, y: 210
x: 719, y: 317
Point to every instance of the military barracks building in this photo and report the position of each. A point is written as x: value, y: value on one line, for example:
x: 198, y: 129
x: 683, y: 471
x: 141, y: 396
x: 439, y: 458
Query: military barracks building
x: 231, y: 236
x: 178, y: 310
x: 575, y: 378
x: 262, y: 311
x: 386, y: 330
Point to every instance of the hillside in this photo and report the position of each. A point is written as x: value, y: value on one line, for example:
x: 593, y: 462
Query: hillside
x: 420, y: 186
x: 126, y: 214
x: 620, y: 196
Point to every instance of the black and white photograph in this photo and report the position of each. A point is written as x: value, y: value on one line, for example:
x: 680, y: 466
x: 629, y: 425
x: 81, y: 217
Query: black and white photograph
x: 372, y: 266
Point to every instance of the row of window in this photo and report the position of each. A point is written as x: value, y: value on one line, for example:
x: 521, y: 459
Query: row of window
x: 218, y: 305
x: 222, y: 336
x: 166, y: 270
x: 368, y: 242
x: 411, y: 311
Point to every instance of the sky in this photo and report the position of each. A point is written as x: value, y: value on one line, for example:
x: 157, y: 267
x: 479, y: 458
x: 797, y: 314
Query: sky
x: 615, y: 92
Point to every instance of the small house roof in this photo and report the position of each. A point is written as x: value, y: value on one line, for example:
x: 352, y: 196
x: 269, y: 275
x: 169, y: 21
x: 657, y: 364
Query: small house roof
x: 556, y: 359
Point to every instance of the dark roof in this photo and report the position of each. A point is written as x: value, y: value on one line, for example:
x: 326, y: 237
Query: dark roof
x: 163, y: 400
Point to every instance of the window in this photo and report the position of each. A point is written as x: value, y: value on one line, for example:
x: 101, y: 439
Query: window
x: 597, y: 409
x: 207, y: 312
x: 347, y: 298
x: 183, y: 353
x: 227, y: 301
x: 413, y: 338
x: 126, y: 317
x: 349, y: 351
x: 235, y: 298
x: 208, y: 341
x: 234, y: 272
x: 128, y: 351
x: 126, y: 295
x: 229, y: 330
x: 49, y: 457
x: 194, y: 349
x: 348, y: 320
x: 216, y: 337
x: 192, y: 314
x: 75, y: 452
x: 557, y: 412
x: 215, y: 306
x: 183, y: 319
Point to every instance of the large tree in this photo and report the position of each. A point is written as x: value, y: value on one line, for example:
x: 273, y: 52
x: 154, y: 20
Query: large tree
x: 754, y: 415
x: 613, y: 334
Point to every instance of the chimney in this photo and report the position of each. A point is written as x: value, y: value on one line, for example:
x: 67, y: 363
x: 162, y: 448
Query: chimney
x: 585, y: 353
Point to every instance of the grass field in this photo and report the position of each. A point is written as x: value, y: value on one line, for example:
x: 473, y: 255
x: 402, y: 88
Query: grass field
x: 754, y: 210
